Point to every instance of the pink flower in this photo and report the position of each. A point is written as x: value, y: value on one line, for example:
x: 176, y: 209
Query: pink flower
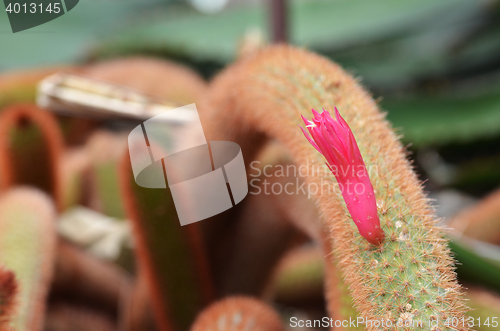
x: 334, y: 139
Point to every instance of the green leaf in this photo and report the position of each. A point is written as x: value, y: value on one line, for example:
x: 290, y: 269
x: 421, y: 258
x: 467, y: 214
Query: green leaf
x: 439, y: 120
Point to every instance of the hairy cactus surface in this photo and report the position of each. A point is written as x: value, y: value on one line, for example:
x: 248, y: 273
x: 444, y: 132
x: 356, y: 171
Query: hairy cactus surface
x: 408, y: 278
x: 27, y: 247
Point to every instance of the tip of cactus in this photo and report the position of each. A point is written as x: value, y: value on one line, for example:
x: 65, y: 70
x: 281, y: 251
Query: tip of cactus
x: 238, y: 313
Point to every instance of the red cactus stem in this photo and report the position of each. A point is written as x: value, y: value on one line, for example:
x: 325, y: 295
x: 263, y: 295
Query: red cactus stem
x: 31, y: 145
x: 238, y: 314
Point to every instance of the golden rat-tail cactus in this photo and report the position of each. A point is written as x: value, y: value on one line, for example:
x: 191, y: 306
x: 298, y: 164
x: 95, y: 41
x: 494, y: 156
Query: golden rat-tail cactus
x: 410, y: 276
x: 238, y: 314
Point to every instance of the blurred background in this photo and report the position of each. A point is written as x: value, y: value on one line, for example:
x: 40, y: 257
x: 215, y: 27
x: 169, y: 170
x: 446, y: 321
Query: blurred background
x: 433, y: 66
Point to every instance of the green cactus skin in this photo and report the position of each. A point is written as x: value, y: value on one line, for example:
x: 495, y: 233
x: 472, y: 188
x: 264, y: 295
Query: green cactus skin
x: 27, y: 247
x: 172, y: 257
x: 410, y: 277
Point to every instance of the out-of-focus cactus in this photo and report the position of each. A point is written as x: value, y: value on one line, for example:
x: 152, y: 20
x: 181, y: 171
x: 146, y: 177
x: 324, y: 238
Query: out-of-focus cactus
x: 481, y: 221
x: 172, y: 257
x: 74, y: 168
x: 8, y: 293
x: 20, y: 86
x: 105, y: 150
x: 27, y: 247
x: 155, y: 77
x: 30, y: 150
x: 410, y: 276
x: 238, y: 314
x: 62, y: 316
x: 261, y: 234
x: 298, y: 277
x: 80, y: 277
x: 485, y: 305
x: 136, y: 310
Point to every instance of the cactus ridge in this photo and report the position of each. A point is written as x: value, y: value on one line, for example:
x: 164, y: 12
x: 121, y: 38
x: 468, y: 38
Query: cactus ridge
x: 411, y: 275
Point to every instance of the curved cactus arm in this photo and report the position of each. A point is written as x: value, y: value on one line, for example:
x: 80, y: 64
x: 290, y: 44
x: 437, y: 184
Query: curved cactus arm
x: 411, y: 275
x: 30, y: 150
